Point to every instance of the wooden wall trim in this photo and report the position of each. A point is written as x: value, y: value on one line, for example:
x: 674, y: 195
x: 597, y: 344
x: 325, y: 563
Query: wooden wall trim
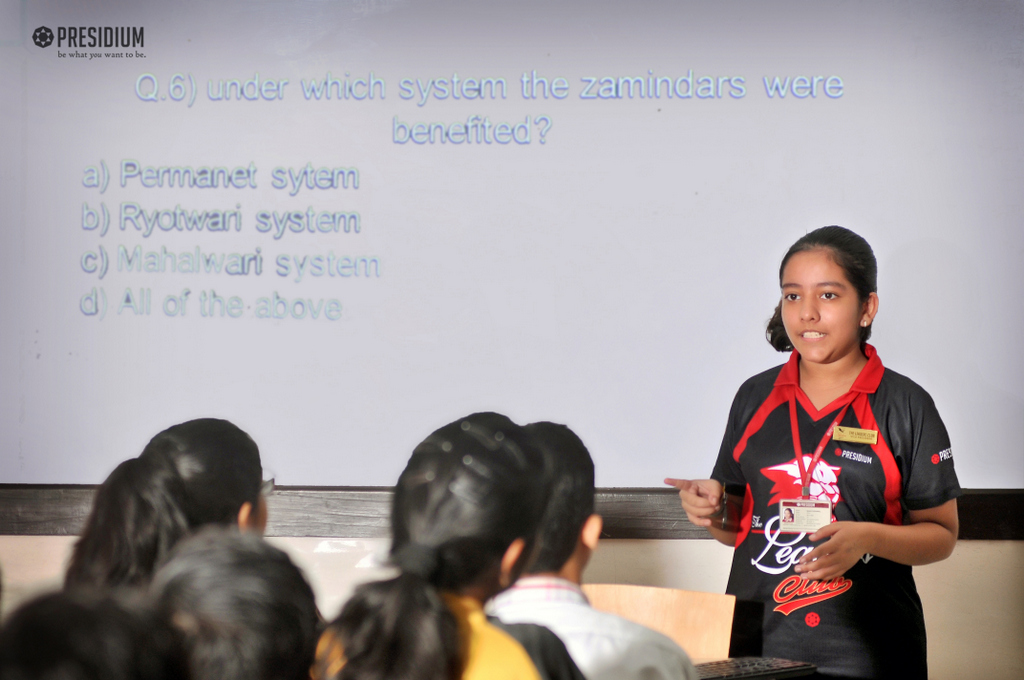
x: 362, y: 512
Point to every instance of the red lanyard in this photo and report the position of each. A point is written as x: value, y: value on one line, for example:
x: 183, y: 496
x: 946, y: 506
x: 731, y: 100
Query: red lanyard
x: 805, y: 472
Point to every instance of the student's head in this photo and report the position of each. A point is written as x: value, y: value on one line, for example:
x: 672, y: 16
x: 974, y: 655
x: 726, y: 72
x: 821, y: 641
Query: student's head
x: 196, y: 473
x: 76, y: 636
x: 569, y: 528
x: 220, y: 467
x: 469, y: 491
x: 243, y: 609
x: 829, y: 281
x: 465, y: 512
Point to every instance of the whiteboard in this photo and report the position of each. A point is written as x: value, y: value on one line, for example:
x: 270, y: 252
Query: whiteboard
x: 389, y: 214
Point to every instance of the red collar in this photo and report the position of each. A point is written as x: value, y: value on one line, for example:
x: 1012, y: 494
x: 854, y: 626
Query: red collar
x: 867, y: 381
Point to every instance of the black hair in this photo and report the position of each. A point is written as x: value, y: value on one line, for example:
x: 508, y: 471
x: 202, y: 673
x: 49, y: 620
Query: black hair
x: 78, y: 636
x: 468, y: 492
x: 192, y: 474
x: 243, y: 608
x: 136, y: 519
x: 853, y: 255
x: 572, y: 495
x: 219, y: 463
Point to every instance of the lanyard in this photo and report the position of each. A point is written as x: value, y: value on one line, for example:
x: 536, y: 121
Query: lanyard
x: 805, y: 471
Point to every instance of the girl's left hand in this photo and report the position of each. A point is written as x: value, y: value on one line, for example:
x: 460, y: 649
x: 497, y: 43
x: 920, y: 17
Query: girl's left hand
x: 847, y: 542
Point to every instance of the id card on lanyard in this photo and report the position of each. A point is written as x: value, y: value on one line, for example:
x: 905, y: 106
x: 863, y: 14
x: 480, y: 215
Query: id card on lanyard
x: 804, y: 514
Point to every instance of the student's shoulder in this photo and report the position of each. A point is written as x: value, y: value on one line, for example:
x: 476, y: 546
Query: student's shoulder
x: 546, y: 649
x: 762, y: 380
x: 638, y: 637
x: 532, y: 636
x: 646, y: 653
x: 901, y: 400
x: 756, y: 388
x: 899, y: 388
x: 494, y: 653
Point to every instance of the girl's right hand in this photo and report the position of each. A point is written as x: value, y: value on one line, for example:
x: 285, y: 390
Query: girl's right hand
x: 701, y: 498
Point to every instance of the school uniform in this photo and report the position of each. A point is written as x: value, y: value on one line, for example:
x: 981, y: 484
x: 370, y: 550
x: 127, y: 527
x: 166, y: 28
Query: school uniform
x: 867, y: 623
x: 546, y: 650
x: 603, y: 645
x: 488, y: 653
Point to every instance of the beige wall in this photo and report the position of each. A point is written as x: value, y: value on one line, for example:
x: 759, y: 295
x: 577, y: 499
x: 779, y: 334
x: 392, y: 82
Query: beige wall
x: 974, y: 601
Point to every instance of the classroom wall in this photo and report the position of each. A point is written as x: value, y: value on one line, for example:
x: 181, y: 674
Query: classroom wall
x: 974, y: 601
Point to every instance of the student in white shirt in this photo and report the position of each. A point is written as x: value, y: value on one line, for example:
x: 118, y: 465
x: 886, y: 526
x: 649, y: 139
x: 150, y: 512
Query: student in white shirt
x: 603, y: 645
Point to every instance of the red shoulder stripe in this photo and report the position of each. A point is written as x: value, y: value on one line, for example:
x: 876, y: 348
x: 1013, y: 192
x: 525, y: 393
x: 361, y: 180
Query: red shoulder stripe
x: 778, y: 396
x: 893, y: 478
x: 746, y: 517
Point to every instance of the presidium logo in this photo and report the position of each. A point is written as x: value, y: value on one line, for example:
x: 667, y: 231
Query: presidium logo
x: 42, y: 37
x: 92, y: 37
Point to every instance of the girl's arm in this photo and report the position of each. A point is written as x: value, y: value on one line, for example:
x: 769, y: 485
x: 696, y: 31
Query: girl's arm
x: 928, y: 536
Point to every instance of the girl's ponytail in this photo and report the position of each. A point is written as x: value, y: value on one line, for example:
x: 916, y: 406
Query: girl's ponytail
x: 400, y: 628
x: 776, y: 334
x: 469, y: 491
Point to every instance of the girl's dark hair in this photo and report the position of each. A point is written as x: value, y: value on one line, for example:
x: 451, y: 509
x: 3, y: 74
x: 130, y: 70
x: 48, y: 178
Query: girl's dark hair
x: 219, y: 464
x: 136, y: 519
x: 853, y: 255
x: 470, y: 489
x: 192, y: 474
x: 244, y: 610
x: 79, y: 636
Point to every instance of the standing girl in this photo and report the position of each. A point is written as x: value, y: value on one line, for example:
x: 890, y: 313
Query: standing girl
x: 856, y: 454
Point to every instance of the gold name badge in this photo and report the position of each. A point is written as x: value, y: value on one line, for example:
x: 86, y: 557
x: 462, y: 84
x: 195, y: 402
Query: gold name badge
x: 855, y: 435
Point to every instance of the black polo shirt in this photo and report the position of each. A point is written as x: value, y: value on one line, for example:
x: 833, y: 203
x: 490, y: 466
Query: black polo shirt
x: 867, y: 623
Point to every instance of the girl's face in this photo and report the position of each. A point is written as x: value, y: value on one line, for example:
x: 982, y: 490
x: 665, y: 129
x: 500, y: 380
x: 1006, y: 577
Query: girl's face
x: 820, y: 308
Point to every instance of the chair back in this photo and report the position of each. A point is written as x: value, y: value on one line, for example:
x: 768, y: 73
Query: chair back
x: 700, y: 623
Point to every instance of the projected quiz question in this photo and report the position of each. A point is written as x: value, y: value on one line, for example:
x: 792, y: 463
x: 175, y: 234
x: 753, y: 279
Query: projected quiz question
x: 478, y: 128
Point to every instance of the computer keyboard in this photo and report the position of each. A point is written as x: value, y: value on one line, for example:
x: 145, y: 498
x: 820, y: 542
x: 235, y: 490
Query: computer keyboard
x: 753, y: 667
